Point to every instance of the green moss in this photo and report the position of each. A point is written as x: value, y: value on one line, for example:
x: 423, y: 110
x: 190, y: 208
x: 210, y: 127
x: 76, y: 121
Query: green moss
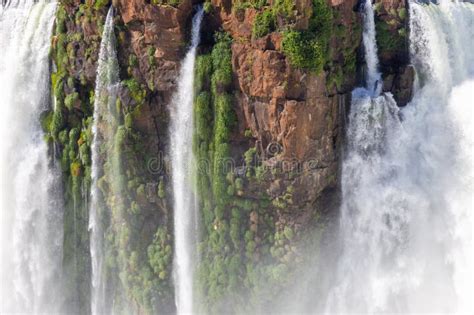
x: 308, y: 49
x: 70, y: 100
x: 207, y: 7
x: 402, y: 13
x: 242, y: 4
x: 128, y: 121
x: 57, y: 123
x: 137, y: 91
x: 75, y: 169
x: 202, y: 73
x: 264, y: 23
x: 387, y: 39
x: 203, y: 114
x: 239, y: 184
x: 161, y: 189
x: 288, y: 232
x: 151, y: 55
x: 99, y: 4
x: 173, y: 3
x: 133, y: 61
x: 284, y: 8
x: 222, y: 64
x: 303, y: 51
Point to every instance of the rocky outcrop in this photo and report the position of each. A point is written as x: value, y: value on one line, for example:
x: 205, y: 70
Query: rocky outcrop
x: 391, y: 18
x: 157, y: 36
x: 291, y: 110
x: 284, y: 141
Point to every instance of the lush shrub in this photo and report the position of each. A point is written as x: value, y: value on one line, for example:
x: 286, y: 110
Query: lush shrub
x: 221, y: 63
x: 71, y: 100
x: 100, y: 4
x: 203, y: 116
x: 264, y: 23
x: 303, y: 50
x: 57, y: 123
x: 256, y: 4
x: 321, y: 22
x: 387, y: 40
x: 202, y: 73
x: 173, y: 3
x: 284, y: 8
x: 207, y: 7
x: 308, y: 49
x: 137, y: 91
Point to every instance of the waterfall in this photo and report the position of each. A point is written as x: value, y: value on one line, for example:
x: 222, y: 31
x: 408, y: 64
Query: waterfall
x: 103, y: 130
x: 181, y: 137
x: 31, y: 210
x: 407, y: 180
x: 373, y: 76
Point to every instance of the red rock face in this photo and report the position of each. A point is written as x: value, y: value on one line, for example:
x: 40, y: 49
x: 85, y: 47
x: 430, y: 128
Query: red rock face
x: 294, y: 109
x: 160, y: 27
x: 285, y: 106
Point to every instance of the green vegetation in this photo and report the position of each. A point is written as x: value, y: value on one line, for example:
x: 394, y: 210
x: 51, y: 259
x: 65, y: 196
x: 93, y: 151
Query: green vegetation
x: 99, y: 4
x: 138, y: 261
x: 214, y: 121
x: 264, y: 23
x: 391, y: 29
x: 137, y: 91
x: 308, y: 49
x: 207, y: 7
x: 303, y: 50
x: 284, y: 8
x: 389, y: 40
x: 243, y: 245
x: 235, y: 259
x: 173, y: 3
x: 256, y: 4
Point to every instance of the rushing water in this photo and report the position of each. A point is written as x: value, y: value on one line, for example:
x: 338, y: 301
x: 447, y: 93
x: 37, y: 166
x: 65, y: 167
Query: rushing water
x: 407, y: 179
x: 103, y: 130
x: 181, y: 135
x: 370, y: 47
x: 30, y: 207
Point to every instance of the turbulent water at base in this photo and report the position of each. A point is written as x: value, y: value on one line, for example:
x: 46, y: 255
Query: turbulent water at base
x: 103, y: 130
x: 31, y: 233
x: 407, y: 180
x: 181, y: 136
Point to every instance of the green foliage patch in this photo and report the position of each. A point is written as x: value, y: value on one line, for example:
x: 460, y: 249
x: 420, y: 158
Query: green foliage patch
x: 264, y: 23
x: 308, y: 49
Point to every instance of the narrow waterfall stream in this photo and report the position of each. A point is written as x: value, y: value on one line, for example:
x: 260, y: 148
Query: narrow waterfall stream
x: 373, y: 75
x: 103, y: 130
x: 406, y: 218
x: 31, y: 233
x: 181, y: 135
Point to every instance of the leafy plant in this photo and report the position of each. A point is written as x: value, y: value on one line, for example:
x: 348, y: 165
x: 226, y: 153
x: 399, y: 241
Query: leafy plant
x: 264, y: 23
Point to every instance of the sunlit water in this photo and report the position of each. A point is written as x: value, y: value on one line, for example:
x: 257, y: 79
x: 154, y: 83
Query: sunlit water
x: 103, y: 130
x: 31, y: 233
x: 181, y: 135
x: 407, y: 180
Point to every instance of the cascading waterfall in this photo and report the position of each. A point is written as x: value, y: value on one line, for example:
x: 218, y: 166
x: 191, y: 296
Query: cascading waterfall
x: 370, y: 47
x: 103, y: 130
x: 181, y: 135
x: 407, y: 180
x: 31, y: 232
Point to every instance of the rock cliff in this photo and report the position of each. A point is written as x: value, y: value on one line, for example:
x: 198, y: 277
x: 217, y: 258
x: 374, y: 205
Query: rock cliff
x: 277, y: 73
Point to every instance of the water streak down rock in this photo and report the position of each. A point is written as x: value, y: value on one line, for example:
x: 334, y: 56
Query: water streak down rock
x: 181, y: 135
x: 103, y: 129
